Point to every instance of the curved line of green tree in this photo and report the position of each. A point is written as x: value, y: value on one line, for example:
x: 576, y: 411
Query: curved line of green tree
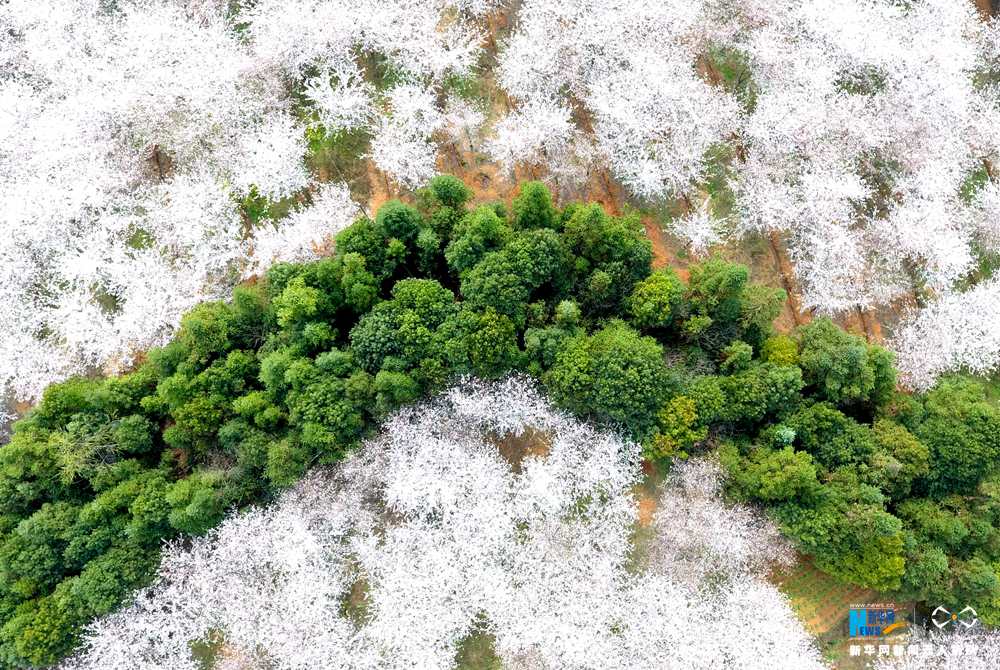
x: 885, y: 490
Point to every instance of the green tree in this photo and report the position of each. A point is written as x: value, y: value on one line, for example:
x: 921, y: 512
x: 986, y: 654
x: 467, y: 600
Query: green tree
x: 780, y: 350
x: 107, y: 580
x: 360, y: 286
x: 61, y: 401
x: 934, y: 524
x: 962, y: 431
x: 677, y: 429
x: 196, y: 423
x: 204, y: 332
x: 134, y: 435
x: 149, y: 510
x: 842, y: 368
x: 394, y: 389
x: 723, y: 306
x: 327, y: 417
x: 450, y: 191
x: 286, y: 463
x: 404, y: 326
x: 476, y: 234
x: 614, y: 375
x: 761, y: 305
x: 294, y: 369
x: 833, y: 438
x: 533, y: 208
x: 31, y: 556
x: 898, y: 459
x: 40, y: 632
x: 297, y: 303
x: 533, y: 264
x: 856, y: 541
x: 736, y: 357
x: 479, y: 343
x: 398, y: 221
x: 758, y: 392
x: 973, y: 581
x: 656, y: 299
x: 611, y: 256
x: 429, y: 252
x: 541, y: 344
x: 927, y: 575
x: 369, y: 240
x: 196, y: 502
x: 771, y: 475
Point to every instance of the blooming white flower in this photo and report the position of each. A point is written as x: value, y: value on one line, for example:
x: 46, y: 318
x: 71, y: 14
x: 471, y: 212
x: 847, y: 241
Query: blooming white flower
x: 630, y: 66
x: 130, y: 130
x: 305, y: 233
x: 958, y: 331
x: 483, y: 510
x: 699, y: 229
x: 402, y: 145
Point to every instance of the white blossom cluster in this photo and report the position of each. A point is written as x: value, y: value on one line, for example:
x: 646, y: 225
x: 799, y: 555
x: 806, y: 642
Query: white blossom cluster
x: 402, y: 144
x: 423, y: 40
x: 482, y: 511
x: 699, y: 229
x: 631, y: 67
x: 127, y: 132
x: 130, y: 130
x: 961, y: 331
x: 867, y: 123
x: 295, y: 238
x: 867, y: 126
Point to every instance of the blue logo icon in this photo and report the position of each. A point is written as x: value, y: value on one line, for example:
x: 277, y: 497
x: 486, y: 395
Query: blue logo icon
x: 873, y: 621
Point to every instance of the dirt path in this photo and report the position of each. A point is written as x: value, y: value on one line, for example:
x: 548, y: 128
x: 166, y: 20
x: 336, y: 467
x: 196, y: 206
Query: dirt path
x: 663, y: 253
x: 784, y: 268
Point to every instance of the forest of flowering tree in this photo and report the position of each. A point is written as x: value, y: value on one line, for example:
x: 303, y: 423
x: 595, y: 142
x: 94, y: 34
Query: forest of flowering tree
x: 495, y: 333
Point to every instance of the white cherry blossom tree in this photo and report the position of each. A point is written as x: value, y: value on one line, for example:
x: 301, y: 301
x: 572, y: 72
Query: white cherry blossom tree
x: 622, y: 73
x: 130, y: 131
x: 301, y: 235
x: 540, y: 133
x: 866, y: 123
x: 959, y: 331
x: 402, y: 145
x: 869, y: 123
x: 122, y: 157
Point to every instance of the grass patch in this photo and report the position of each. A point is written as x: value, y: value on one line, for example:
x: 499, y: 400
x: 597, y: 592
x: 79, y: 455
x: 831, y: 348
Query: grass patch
x: 476, y: 653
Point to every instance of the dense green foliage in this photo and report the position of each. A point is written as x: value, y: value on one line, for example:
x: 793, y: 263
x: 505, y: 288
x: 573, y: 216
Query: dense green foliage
x: 884, y: 490
x: 293, y: 371
x: 901, y: 495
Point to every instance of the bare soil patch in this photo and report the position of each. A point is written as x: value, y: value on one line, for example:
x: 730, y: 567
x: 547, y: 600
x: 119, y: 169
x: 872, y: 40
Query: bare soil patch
x: 515, y: 448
